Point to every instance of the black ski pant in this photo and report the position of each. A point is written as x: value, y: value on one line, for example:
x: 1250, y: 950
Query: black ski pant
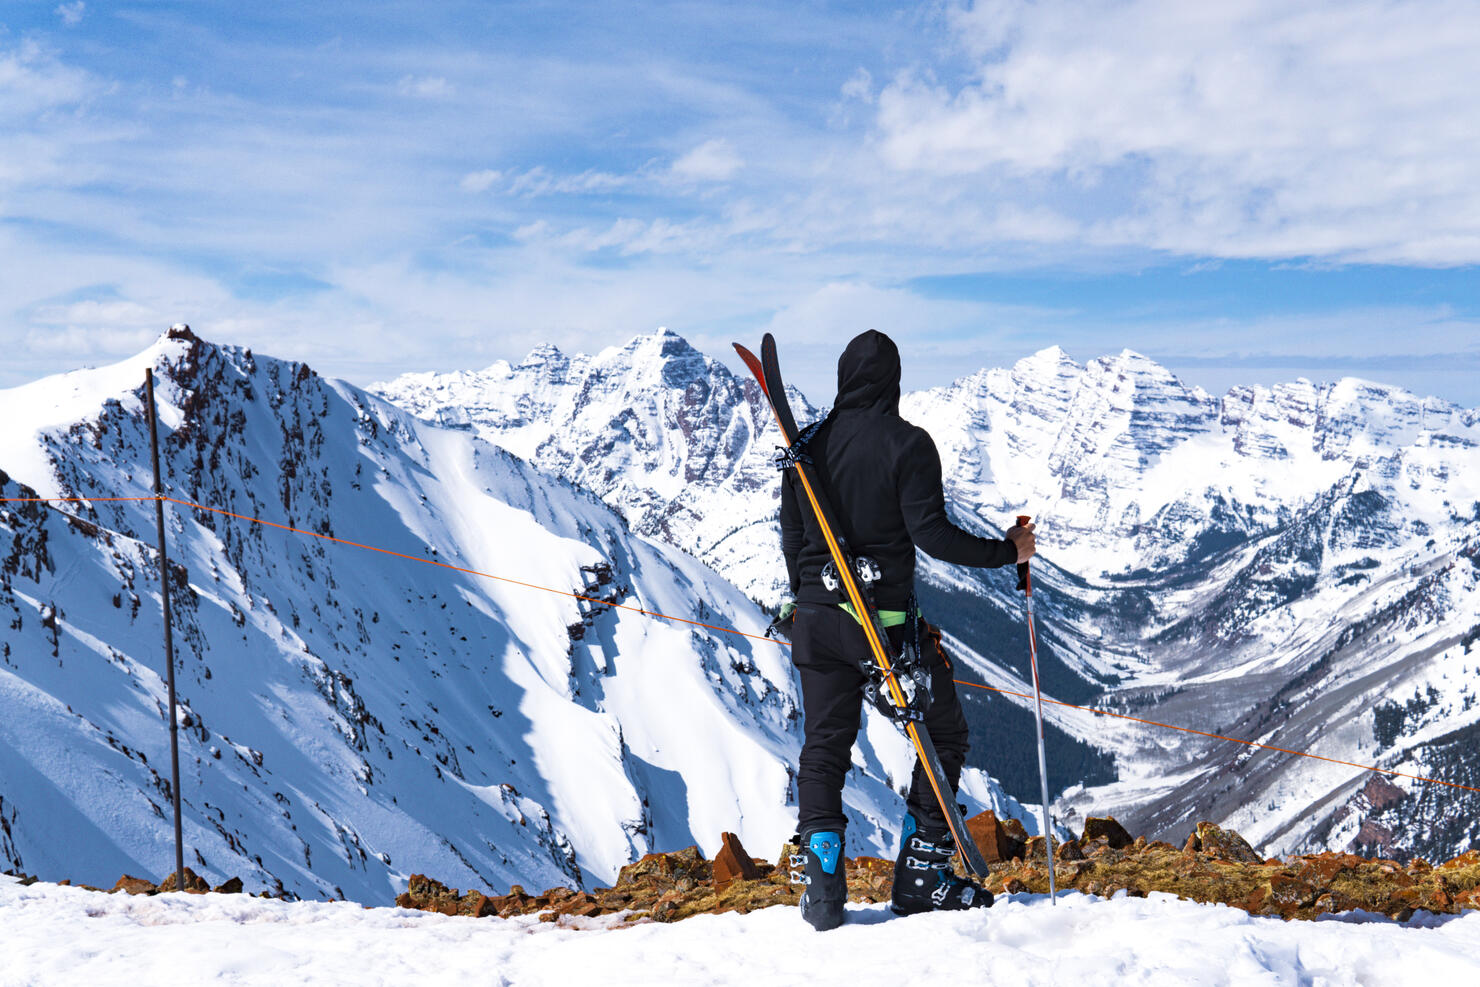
x: 826, y: 646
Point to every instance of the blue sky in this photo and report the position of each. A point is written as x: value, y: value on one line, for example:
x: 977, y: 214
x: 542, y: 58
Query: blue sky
x: 1247, y: 191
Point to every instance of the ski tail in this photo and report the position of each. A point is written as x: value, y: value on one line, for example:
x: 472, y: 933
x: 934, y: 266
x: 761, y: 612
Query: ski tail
x: 767, y: 371
x: 753, y: 364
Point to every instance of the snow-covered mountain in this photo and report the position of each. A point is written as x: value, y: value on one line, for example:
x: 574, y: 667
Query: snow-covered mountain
x: 661, y: 432
x: 1294, y: 565
x: 348, y: 716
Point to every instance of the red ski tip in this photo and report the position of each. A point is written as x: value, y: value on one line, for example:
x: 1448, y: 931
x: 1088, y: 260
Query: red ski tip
x: 753, y: 363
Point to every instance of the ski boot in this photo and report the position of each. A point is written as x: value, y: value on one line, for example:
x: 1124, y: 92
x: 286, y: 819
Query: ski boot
x: 923, y: 878
x: 822, y: 874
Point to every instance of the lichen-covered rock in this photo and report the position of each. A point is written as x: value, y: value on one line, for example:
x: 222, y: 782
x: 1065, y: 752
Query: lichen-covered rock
x: 1215, y: 868
x: 1221, y: 844
x: 1324, y: 867
x: 681, y: 870
x: 1097, y: 827
x: 429, y: 895
x: 194, y: 883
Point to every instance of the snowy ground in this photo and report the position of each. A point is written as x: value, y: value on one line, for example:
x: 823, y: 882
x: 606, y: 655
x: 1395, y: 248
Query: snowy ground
x: 57, y: 935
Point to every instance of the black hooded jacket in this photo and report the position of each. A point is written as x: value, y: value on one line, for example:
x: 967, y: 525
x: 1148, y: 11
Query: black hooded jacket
x: 882, y: 475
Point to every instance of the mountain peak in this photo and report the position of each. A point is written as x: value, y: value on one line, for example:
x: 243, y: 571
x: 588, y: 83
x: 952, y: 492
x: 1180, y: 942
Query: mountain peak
x: 1050, y: 361
x: 547, y: 356
x: 667, y: 343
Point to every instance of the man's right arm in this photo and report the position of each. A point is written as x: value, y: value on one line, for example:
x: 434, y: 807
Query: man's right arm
x: 922, y: 501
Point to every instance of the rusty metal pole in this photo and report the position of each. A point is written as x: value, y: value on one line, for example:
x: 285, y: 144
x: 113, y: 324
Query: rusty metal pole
x: 169, y: 640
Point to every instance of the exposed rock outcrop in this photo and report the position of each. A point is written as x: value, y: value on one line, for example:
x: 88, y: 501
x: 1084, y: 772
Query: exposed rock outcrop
x: 1215, y: 865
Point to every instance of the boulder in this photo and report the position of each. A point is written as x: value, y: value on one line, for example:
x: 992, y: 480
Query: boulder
x: 194, y: 883
x: 681, y: 869
x: 996, y: 842
x: 1332, y: 902
x: 231, y: 886
x: 1288, y: 894
x: 1222, y: 844
x: 429, y: 895
x: 732, y: 863
x: 1106, y: 826
x: 134, y: 885
x: 1470, y: 858
x: 1322, y: 868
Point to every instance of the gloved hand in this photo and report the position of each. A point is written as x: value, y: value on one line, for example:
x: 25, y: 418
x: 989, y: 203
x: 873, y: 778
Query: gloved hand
x: 781, y: 626
x: 1022, y: 539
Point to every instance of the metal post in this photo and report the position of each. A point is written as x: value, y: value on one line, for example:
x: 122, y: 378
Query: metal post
x: 169, y: 640
x: 1026, y: 585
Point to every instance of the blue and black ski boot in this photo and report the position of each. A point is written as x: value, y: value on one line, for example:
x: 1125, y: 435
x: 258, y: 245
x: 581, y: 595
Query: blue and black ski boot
x: 820, y: 868
x: 923, y: 878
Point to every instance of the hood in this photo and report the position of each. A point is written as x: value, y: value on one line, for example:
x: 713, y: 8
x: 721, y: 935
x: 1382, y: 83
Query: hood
x: 868, y: 374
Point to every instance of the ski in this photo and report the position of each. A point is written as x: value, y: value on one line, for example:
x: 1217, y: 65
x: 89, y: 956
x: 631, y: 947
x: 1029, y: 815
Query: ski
x: 767, y: 372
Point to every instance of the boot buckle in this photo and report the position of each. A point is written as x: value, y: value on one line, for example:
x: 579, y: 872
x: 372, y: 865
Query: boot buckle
x: 797, y: 862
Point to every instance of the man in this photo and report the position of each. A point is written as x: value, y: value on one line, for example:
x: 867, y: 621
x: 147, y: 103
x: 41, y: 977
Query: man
x: 883, y: 477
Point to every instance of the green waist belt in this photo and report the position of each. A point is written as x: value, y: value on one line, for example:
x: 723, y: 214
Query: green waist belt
x: 889, y: 618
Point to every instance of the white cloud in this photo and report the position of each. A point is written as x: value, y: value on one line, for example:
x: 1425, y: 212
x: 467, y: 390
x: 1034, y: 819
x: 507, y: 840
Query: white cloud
x: 33, y: 82
x: 713, y: 161
x: 479, y: 181
x: 860, y: 86
x: 840, y: 310
x: 539, y: 181
x: 425, y: 87
x: 88, y: 342
x: 71, y: 13
x: 1257, y: 128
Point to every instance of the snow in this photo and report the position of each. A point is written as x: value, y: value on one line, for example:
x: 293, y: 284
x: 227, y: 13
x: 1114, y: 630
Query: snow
x: 62, y: 400
x: 60, y: 935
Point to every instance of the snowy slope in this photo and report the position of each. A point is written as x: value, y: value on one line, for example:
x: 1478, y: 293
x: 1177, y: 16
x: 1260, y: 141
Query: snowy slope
x: 349, y: 717
x: 1023, y: 940
x: 1295, y: 565
x: 666, y: 435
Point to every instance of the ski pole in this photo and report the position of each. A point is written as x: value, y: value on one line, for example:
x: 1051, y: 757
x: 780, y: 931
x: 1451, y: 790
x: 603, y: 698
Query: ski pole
x: 1025, y: 583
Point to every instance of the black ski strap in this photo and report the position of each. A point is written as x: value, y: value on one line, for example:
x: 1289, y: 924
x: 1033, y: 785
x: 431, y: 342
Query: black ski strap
x: 787, y: 457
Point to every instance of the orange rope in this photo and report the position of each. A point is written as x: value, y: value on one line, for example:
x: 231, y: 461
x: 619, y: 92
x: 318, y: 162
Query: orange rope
x: 728, y: 630
x: 1219, y: 736
x: 472, y: 572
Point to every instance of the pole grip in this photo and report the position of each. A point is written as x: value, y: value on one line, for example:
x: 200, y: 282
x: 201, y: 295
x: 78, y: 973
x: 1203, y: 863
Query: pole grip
x: 1022, y: 567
